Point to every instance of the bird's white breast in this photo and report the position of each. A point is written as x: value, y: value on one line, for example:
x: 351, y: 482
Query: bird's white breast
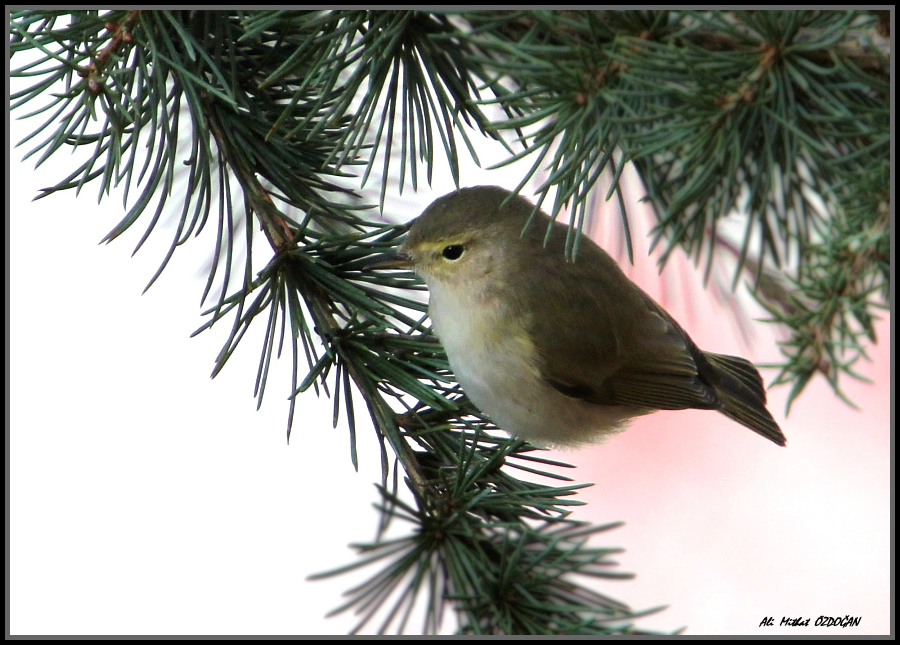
x: 497, y: 366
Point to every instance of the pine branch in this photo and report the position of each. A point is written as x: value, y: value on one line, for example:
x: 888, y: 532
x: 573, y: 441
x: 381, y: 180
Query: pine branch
x: 259, y: 118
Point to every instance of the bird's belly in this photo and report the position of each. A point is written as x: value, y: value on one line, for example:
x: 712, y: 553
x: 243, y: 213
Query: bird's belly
x: 499, y: 373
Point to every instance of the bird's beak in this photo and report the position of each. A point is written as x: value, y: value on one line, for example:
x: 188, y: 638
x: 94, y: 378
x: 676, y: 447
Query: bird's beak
x: 397, y: 260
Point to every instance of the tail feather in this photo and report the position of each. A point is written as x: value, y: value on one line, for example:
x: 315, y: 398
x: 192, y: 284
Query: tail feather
x: 743, y: 396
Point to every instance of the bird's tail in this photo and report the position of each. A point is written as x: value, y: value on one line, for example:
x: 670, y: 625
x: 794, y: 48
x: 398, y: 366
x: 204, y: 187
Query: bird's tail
x: 743, y: 395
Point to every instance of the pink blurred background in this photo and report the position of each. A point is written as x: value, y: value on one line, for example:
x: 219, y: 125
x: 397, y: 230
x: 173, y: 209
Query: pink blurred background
x: 725, y: 527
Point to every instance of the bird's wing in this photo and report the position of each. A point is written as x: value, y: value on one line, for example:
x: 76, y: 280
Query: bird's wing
x: 616, y: 348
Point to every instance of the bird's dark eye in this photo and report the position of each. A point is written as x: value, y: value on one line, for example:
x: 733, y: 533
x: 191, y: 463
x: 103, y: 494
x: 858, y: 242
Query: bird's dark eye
x: 453, y: 251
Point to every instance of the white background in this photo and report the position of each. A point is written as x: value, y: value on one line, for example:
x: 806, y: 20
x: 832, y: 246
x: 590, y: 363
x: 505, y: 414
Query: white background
x: 147, y: 499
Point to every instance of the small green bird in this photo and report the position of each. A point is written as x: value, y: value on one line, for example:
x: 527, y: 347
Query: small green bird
x: 560, y: 352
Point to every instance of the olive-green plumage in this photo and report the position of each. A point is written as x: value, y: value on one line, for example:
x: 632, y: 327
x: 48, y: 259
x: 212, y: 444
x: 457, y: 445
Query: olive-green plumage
x: 561, y: 352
